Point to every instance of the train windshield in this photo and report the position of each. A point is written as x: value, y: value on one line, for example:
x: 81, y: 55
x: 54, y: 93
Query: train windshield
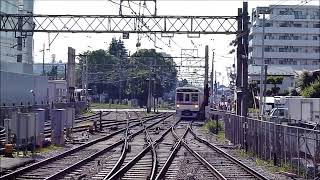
x: 179, y: 96
x: 194, y: 97
x: 187, y: 97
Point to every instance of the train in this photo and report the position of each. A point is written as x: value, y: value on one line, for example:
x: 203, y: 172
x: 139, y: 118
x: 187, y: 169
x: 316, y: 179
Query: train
x: 188, y: 101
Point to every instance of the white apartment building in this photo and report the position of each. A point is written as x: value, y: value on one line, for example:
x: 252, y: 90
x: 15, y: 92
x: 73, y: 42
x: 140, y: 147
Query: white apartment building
x: 292, y: 36
x: 16, y: 54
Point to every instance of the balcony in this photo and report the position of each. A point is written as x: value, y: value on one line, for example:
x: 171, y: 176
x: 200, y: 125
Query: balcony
x: 287, y: 55
x: 287, y: 30
x: 275, y: 42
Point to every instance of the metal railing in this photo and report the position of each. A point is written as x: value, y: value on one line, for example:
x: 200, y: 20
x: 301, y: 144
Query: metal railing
x: 296, y: 148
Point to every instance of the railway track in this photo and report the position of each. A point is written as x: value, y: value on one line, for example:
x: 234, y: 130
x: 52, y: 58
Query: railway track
x: 143, y: 161
x: 153, y: 148
x: 195, y: 158
x: 226, y: 166
x: 57, y: 166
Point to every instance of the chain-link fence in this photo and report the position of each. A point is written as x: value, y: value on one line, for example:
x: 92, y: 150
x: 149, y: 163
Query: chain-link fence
x: 295, y: 148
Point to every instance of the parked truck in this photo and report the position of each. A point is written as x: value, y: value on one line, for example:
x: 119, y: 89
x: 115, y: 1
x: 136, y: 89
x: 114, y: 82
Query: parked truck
x: 296, y: 110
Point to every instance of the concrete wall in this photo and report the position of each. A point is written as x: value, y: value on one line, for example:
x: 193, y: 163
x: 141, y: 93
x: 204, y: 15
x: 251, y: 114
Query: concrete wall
x: 57, y: 90
x: 15, y: 88
x: 8, y: 49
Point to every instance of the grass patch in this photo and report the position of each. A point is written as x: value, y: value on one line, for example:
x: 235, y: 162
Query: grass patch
x: 87, y: 113
x: 108, y: 106
x: 266, y: 164
x: 48, y: 149
x: 211, y: 126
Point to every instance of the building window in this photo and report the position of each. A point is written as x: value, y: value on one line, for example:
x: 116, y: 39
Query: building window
x: 268, y: 49
x: 295, y: 49
x: 268, y: 25
x: 304, y: 62
x: 19, y: 58
x: 285, y: 24
x: 297, y: 25
x: 283, y: 12
x: 316, y: 25
x: 315, y: 38
x: 296, y: 37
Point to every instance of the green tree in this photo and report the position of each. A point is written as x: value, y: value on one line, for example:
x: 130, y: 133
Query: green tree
x: 183, y: 82
x: 53, y: 74
x: 162, y: 71
x: 305, y: 80
x: 312, y: 91
x: 117, y: 49
x: 274, y: 80
x: 101, y: 70
x: 294, y: 92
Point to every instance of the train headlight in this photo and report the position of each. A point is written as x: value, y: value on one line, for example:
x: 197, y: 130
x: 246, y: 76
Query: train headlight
x: 178, y: 105
x: 196, y: 106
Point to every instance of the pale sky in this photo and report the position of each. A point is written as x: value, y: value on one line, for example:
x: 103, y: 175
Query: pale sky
x: 82, y: 42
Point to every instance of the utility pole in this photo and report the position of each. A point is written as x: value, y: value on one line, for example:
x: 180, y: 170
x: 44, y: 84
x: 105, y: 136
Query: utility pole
x: 264, y: 67
x: 206, y: 76
x: 244, y: 103
x: 87, y: 66
x: 215, y: 86
x: 43, y: 54
x: 19, y: 39
x: 149, y: 91
x: 70, y: 75
x: 120, y: 77
x: 239, y: 63
x: 212, y: 81
x: 154, y: 84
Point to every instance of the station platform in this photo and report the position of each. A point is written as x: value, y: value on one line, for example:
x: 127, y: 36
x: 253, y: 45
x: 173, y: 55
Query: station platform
x: 12, y: 163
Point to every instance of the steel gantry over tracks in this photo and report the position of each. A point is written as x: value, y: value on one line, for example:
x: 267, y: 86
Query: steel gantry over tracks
x: 29, y: 23
x: 26, y: 24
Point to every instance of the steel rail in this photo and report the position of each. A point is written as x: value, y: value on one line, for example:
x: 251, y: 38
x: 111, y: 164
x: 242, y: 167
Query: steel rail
x: 16, y: 173
x: 204, y: 162
x: 153, y: 150
x: 124, y: 150
x: 87, y: 159
x: 133, y: 161
x: 229, y: 157
x: 161, y: 174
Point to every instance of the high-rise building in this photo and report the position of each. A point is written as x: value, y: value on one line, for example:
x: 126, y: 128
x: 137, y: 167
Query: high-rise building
x: 16, y: 52
x: 17, y: 82
x: 291, y: 38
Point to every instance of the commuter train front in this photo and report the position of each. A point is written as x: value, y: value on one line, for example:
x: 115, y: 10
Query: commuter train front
x: 188, y: 101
